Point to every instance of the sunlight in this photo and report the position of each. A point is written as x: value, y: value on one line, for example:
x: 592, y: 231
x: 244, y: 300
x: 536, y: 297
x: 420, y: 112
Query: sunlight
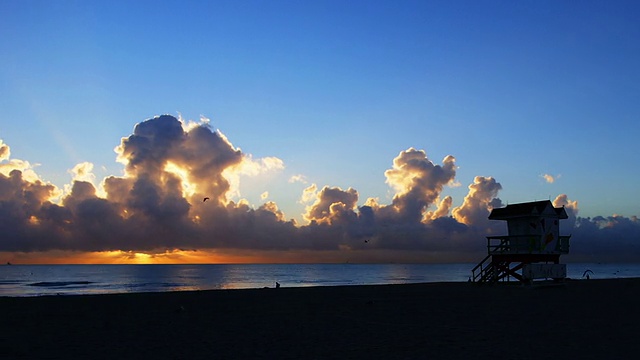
x: 188, y: 188
x: 142, y: 258
x: 165, y: 257
x: 209, y: 256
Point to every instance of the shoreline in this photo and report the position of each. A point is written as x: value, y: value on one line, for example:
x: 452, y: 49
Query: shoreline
x: 453, y: 320
x: 23, y: 280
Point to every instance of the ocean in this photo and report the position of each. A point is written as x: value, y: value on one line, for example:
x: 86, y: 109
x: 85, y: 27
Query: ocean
x: 39, y: 280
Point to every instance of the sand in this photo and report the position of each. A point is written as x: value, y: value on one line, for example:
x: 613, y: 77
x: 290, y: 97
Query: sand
x: 587, y: 319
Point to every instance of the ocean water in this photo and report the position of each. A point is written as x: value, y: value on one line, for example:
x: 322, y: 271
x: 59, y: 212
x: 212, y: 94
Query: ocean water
x: 38, y: 280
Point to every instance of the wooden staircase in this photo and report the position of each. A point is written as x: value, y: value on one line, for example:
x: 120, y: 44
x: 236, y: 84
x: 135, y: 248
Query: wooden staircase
x: 496, y: 268
x: 484, y: 271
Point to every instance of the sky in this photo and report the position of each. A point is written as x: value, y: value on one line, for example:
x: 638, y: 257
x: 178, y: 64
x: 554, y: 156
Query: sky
x: 312, y: 126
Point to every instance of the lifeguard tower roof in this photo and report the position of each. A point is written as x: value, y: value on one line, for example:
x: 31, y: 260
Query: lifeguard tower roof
x: 536, y: 208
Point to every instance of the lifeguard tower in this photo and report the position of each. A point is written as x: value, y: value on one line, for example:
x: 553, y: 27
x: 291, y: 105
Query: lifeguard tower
x: 531, y: 250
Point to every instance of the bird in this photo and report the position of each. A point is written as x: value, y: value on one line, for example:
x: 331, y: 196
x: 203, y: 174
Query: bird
x: 205, y: 199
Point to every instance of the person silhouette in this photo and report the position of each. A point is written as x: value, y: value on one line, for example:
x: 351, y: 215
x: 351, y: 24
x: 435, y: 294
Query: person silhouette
x: 277, y: 285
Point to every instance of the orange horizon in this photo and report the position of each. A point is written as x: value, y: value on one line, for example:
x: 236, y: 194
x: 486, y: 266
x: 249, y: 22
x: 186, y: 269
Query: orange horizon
x: 127, y: 257
x: 58, y: 257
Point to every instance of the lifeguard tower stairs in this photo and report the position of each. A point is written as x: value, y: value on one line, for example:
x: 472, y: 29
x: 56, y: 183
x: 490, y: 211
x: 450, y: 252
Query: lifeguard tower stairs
x: 532, y: 248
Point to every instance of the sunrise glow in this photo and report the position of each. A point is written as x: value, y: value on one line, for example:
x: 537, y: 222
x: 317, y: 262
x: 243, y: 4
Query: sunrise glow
x: 313, y: 132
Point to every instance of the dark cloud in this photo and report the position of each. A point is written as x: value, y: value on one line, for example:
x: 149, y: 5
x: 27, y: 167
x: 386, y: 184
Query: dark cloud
x: 606, y: 239
x: 157, y: 207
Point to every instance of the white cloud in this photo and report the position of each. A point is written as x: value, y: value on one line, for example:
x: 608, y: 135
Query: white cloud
x: 550, y: 179
x: 298, y: 179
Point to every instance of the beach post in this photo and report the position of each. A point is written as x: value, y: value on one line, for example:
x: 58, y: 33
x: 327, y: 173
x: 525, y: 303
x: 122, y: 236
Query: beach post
x: 532, y: 248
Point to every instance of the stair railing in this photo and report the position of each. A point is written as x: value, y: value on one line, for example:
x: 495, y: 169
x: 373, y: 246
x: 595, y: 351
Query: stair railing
x: 479, y: 270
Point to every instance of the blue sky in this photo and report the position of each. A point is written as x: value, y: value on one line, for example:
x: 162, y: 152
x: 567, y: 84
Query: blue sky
x: 336, y: 90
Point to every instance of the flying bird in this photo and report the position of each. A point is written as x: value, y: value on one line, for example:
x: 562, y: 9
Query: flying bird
x: 205, y: 199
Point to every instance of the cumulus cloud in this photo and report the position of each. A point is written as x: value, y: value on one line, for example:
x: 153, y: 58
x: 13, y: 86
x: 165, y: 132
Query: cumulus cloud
x: 481, y: 199
x: 309, y: 194
x: 7, y: 165
x: 442, y: 210
x: 83, y: 172
x: 570, y: 206
x: 170, y: 166
x: 333, y: 204
x: 418, y: 183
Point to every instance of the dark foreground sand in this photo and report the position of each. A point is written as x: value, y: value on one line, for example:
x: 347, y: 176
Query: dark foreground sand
x: 594, y: 319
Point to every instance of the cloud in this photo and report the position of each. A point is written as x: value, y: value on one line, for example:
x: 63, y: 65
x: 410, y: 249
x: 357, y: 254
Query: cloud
x: 548, y: 178
x: 249, y: 167
x: 333, y: 205
x: 570, y: 206
x: 309, y: 194
x: 482, y: 197
x: 7, y: 165
x: 298, y: 179
x: 156, y: 207
x: 442, y: 210
x: 606, y: 239
x: 5, y: 152
x: 418, y: 183
x: 83, y: 172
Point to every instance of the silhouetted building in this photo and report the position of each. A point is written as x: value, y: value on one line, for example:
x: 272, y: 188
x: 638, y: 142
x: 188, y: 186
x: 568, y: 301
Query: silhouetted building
x: 532, y: 248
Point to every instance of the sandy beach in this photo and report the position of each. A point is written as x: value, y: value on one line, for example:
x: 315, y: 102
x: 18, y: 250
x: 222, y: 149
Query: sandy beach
x: 587, y: 319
